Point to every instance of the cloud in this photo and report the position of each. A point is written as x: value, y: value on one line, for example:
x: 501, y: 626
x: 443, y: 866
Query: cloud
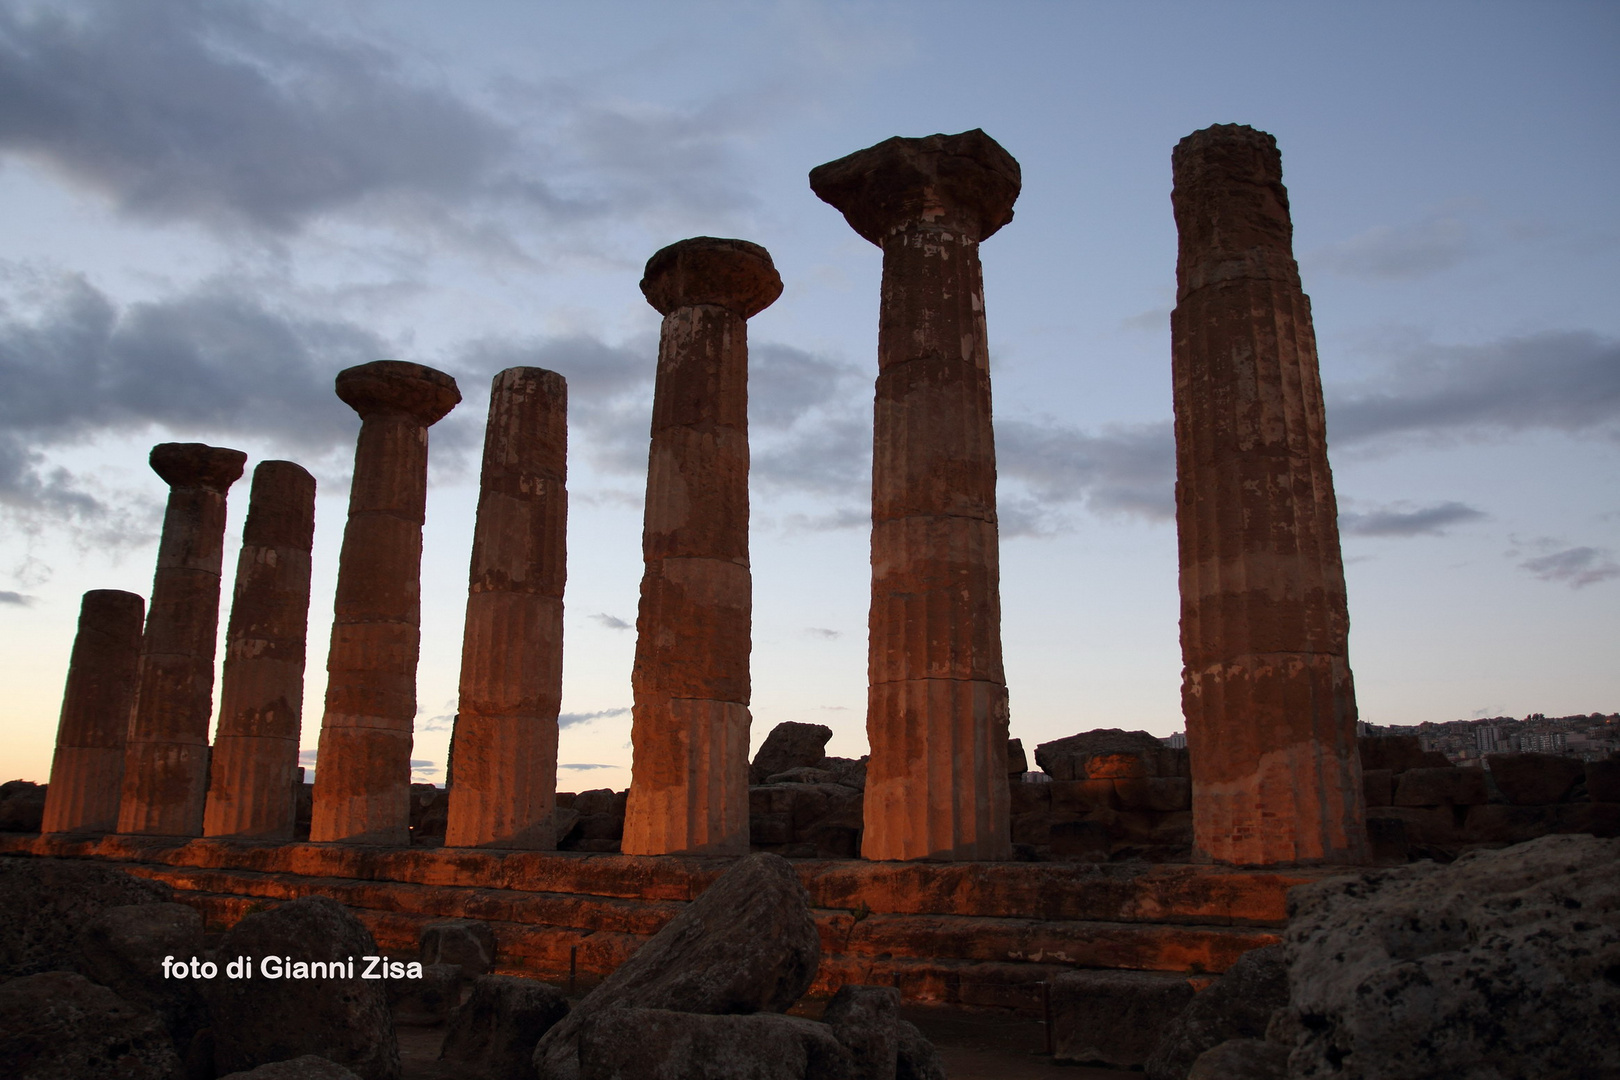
x: 16, y: 598
x: 573, y: 719
x: 1125, y: 469
x: 824, y: 633
x: 612, y: 622
x: 586, y: 765
x: 1399, y: 521
x: 1566, y: 381
x: 1579, y: 566
x: 1411, y: 251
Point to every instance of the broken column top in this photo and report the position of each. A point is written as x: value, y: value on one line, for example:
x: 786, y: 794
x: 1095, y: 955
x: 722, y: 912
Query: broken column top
x: 196, y: 465
x: 964, y: 182
x: 282, y: 512
x: 398, y: 386
x: 732, y: 274
x: 1231, y: 208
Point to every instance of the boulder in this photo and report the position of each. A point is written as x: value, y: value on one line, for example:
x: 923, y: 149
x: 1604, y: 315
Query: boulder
x: 1450, y: 786
x: 1535, y: 779
x: 1164, y: 794
x: 493, y: 1033
x: 467, y: 943
x: 850, y: 772
x: 22, y: 806
x: 308, y: 1067
x: 48, y: 901
x: 58, y: 1025
x: 123, y: 949
x: 1107, y: 754
x: 1378, y: 786
x: 916, y: 1059
x: 1017, y: 760
x: 1242, y: 1059
x: 427, y: 1001
x: 1603, y: 780
x: 1238, y: 1005
x: 262, y: 1020
x: 1500, y: 964
x: 747, y: 944
x: 658, y: 1044
x: 790, y: 745
x: 866, y: 1020
x: 1398, y: 753
x: 1113, y: 1018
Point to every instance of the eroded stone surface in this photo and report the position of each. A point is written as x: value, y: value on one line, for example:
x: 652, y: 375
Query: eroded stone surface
x: 87, y: 770
x: 661, y: 1044
x: 255, y: 758
x: 689, y: 775
x: 1238, y: 1005
x: 1535, y: 779
x: 1266, y: 687
x: 303, y: 1067
x: 494, y: 1032
x: 363, y: 770
x: 165, y: 776
x: 49, y: 901
x: 790, y: 745
x: 937, y: 708
x: 60, y: 1026
x: 123, y: 949
x: 505, y: 741
x: 1113, y: 1018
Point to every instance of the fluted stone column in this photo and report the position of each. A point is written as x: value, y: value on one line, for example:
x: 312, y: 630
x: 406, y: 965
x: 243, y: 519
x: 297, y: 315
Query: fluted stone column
x: 166, y: 757
x: 363, y: 766
x: 87, y: 769
x: 689, y: 777
x: 1266, y: 687
x: 505, y: 741
x: 937, y: 698
x: 261, y: 701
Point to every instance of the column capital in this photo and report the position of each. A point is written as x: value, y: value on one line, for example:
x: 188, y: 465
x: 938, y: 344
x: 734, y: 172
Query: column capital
x: 1231, y: 208
x: 398, y: 386
x: 733, y: 274
x: 196, y: 465
x: 965, y: 182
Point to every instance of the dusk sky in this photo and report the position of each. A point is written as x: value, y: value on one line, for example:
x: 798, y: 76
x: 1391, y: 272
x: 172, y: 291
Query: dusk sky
x: 211, y: 207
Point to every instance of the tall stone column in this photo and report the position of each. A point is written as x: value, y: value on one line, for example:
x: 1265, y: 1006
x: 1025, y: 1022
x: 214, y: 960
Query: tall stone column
x: 166, y: 756
x: 261, y: 701
x: 363, y: 767
x: 937, y: 697
x: 689, y: 777
x: 505, y: 741
x: 1266, y: 687
x: 87, y: 769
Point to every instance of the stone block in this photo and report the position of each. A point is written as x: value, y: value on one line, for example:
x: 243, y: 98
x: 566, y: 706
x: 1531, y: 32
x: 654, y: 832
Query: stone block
x: 1106, y: 754
x: 1603, y: 780
x: 1161, y: 793
x: 1238, y: 1005
x: 1378, y: 786
x: 123, y: 948
x: 493, y: 1033
x: 1017, y: 761
x: 1241, y: 1059
x: 1033, y: 828
x: 427, y: 1001
x: 865, y: 1019
x: 595, y: 801
x: 1397, y: 753
x: 1029, y: 798
x: 57, y: 1025
x: 1535, y: 779
x: 788, y: 746
x: 769, y: 829
x: 303, y: 1067
x: 469, y: 944
x: 1386, y: 838
x: 1450, y: 786
x: 1082, y: 795
x: 1428, y: 825
x: 1508, y: 824
x: 1597, y: 818
x: 48, y: 901
x: 22, y: 806
x: 659, y: 1044
x: 1086, y: 840
x: 1113, y: 1018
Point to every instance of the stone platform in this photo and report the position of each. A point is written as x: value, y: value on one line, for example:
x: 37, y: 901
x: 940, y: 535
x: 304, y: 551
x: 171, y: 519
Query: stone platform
x: 969, y: 934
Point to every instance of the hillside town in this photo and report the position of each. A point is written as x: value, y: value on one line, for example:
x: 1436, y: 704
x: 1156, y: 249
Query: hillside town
x: 1589, y: 737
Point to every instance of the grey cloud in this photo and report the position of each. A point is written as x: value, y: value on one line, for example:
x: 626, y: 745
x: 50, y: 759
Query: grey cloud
x: 1578, y: 566
x: 16, y: 598
x: 1127, y: 469
x: 572, y: 719
x: 1412, y: 251
x: 824, y: 633
x: 612, y: 622
x: 586, y: 765
x: 1558, y: 380
x: 785, y: 384
x: 1397, y: 521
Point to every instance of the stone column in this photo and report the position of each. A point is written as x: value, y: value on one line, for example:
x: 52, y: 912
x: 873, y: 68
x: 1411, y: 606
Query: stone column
x: 261, y: 701
x: 363, y: 768
x: 166, y: 756
x: 87, y: 770
x: 689, y: 777
x: 1266, y: 688
x: 505, y: 740
x: 937, y: 698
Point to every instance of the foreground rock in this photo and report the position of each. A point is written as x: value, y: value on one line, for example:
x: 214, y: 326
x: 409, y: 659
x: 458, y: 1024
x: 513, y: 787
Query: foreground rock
x: 262, y: 1020
x: 656, y: 1044
x: 1238, y: 1005
x: 1241, y: 1059
x: 61, y: 1026
x: 1501, y: 964
x: 467, y: 943
x: 1113, y: 1018
x: 790, y: 745
x: 1109, y: 754
x: 307, y: 1067
x: 493, y: 1033
x: 48, y: 901
x: 22, y: 806
x: 747, y: 945
x: 123, y: 949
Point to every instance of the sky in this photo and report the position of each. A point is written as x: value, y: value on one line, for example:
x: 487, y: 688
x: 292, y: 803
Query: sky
x: 212, y: 206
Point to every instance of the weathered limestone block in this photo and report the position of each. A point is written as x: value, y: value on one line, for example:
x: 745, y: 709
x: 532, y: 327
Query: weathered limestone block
x: 1108, y: 754
x: 303, y: 1067
x: 1603, y: 780
x: 1238, y: 1005
x: 1378, y: 787
x: 1499, y: 964
x: 22, y: 806
x: 747, y: 944
x: 790, y: 745
x: 689, y: 774
x: 1266, y: 688
x: 1241, y: 1059
x: 1398, y: 753
x: 467, y: 943
x: 1535, y: 779
x: 363, y: 769
x: 866, y: 1020
x: 123, y: 949
x: 165, y: 775
x: 261, y: 705
x: 47, y: 902
x: 1451, y: 786
x: 60, y: 1026
x: 1113, y: 1018
x: 937, y: 703
x: 505, y: 742
x: 426, y: 1001
x: 1161, y: 793
x: 1017, y: 762
x: 87, y: 770
x: 1082, y: 796
x: 257, y: 1021
x: 494, y: 1032
x: 659, y: 1044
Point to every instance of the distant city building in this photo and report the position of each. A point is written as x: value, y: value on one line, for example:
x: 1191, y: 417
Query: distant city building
x: 1178, y: 741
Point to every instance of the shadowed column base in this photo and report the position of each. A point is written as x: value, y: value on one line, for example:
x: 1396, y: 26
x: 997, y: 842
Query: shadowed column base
x: 164, y: 787
x: 251, y: 787
x: 83, y: 792
x: 362, y: 786
x: 689, y: 790
x: 503, y: 793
